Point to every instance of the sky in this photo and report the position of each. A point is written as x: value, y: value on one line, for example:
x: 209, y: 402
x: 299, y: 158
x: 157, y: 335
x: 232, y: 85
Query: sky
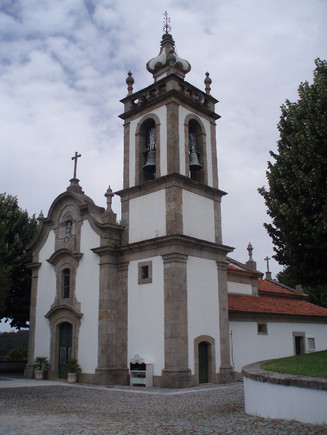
x: 63, y: 66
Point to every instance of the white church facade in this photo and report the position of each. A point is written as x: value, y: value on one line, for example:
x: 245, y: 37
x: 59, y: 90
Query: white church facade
x: 153, y: 287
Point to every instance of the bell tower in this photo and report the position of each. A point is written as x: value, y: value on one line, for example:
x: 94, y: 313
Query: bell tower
x: 172, y: 243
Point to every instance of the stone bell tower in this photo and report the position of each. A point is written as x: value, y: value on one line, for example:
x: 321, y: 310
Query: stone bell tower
x: 172, y: 243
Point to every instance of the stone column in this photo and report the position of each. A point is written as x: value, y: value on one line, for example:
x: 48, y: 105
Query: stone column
x: 226, y: 370
x: 112, y: 335
x: 172, y: 138
x: 29, y: 371
x: 176, y: 373
x: 174, y: 210
x: 126, y: 154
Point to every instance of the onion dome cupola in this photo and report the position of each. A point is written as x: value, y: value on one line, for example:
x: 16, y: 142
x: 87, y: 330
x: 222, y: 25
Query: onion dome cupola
x: 167, y: 61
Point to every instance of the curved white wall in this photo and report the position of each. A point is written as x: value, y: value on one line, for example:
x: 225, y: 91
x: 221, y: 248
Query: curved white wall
x: 202, y: 304
x: 146, y: 315
x: 249, y: 347
x: 46, y: 293
x: 147, y: 216
x: 87, y: 293
x: 288, y: 402
x: 198, y: 216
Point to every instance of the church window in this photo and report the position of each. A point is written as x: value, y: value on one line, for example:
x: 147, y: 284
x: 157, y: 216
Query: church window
x: 147, y: 149
x: 262, y: 329
x: 145, y: 272
x: 149, y: 166
x: 66, y: 283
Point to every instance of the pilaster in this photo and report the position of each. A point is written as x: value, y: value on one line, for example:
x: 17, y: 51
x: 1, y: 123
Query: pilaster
x: 172, y: 137
x: 226, y: 370
x: 176, y: 373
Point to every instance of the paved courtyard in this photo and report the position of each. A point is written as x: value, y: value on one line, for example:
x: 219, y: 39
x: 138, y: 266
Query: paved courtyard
x: 29, y: 407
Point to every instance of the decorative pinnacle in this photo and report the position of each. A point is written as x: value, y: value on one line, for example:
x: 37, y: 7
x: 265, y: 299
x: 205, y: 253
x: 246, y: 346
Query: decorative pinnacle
x: 166, y: 23
x: 129, y: 82
x: 207, y: 82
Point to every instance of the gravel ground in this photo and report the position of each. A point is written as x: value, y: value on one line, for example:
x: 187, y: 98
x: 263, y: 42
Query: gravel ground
x: 62, y: 409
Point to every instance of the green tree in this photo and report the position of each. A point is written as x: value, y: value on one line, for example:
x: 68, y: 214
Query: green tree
x: 297, y: 194
x: 17, y: 231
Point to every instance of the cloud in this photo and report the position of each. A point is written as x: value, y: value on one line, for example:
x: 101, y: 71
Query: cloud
x: 63, y: 66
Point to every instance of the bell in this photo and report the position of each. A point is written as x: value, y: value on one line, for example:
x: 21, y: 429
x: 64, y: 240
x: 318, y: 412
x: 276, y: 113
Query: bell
x: 194, y: 161
x: 150, y: 165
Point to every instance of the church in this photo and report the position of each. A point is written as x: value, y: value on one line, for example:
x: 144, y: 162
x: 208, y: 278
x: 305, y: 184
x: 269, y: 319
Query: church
x: 156, y: 296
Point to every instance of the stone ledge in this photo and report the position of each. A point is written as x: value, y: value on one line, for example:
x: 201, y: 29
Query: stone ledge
x: 255, y: 372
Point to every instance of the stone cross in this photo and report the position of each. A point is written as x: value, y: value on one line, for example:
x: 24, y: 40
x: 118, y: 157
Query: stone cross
x: 75, y: 162
x: 267, y: 260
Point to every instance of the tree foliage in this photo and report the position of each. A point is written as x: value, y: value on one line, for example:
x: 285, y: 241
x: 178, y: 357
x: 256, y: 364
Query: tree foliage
x: 16, y: 232
x: 297, y: 194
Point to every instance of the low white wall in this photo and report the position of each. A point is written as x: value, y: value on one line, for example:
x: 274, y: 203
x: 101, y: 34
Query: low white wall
x: 288, y: 402
x: 239, y: 287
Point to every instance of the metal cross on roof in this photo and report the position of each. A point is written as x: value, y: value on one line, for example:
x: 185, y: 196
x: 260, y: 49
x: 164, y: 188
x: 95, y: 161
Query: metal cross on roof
x: 166, y: 22
x: 75, y: 162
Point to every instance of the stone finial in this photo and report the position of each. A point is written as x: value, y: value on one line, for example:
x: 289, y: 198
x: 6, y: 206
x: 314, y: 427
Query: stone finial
x: 129, y: 82
x: 268, y: 273
x: 40, y: 217
x: 109, y: 196
x: 207, y: 82
x: 168, y: 61
x: 251, y: 264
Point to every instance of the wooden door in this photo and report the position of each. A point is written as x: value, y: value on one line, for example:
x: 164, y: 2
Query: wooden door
x: 203, y: 363
x: 65, y: 347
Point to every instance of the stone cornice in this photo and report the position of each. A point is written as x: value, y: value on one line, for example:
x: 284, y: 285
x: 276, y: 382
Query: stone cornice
x: 61, y: 307
x: 169, y: 180
x: 61, y: 253
x: 171, y: 85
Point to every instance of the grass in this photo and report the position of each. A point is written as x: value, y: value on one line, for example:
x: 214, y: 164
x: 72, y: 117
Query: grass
x: 309, y: 364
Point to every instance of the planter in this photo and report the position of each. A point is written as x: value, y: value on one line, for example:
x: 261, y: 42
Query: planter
x: 72, y: 378
x: 39, y: 374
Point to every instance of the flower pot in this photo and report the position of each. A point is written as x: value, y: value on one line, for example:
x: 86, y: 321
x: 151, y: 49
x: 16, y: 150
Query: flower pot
x: 39, y: 374
x: 71, y: 378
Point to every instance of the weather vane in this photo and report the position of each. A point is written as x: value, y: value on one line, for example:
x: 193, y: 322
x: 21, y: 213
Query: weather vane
x: 166, y: 23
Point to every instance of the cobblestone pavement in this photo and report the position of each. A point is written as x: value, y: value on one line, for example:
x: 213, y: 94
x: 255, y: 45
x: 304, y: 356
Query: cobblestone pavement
x: 64, y: 409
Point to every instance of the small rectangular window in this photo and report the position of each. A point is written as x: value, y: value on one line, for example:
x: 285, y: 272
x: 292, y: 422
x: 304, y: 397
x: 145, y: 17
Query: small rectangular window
x: 311, y: 344
x: 262, y: 329
x: 145, y: 272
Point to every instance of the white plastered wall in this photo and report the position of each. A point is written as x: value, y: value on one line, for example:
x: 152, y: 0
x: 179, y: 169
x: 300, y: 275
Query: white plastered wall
x: 87, y: 293
x: 146, y: 315
x: 198, y: 216
x: 46, y: 293
x: 183, y: 141
x: 248, y: 347
x: 147, y: 216
x: 161, y: 112
x: 202, y: 304
x: 239, y: 287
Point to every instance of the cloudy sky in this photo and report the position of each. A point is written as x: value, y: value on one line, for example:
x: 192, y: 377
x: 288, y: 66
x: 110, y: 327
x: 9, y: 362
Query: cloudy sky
x: 63, y: 65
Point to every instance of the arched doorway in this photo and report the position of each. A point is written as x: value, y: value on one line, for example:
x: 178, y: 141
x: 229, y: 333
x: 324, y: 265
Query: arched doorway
x: 203, y: 363
x: 65, y: 347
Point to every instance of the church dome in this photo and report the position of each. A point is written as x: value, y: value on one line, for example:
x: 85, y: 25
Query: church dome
x: 168, y: 61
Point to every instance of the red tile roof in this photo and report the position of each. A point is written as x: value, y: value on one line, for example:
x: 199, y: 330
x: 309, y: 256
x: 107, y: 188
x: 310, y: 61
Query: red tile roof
x: 273, y: 305
x: 265, y: 286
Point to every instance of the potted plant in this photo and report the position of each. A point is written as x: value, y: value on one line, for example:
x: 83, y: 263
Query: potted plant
x: 72, y: 368
x: 41, y: 365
